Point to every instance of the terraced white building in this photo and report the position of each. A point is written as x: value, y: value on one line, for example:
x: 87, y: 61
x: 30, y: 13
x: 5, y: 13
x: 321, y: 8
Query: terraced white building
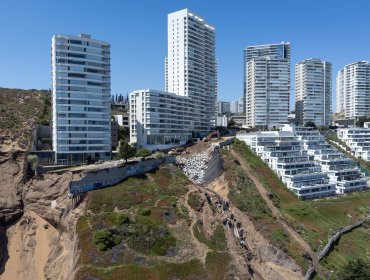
x: 309, y: 166
x: 341, y: 170
x: 285, y: 154
x: 358, y: 139
x: 81, y: 98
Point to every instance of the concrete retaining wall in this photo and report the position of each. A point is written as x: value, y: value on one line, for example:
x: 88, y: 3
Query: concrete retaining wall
x: 97, y: 179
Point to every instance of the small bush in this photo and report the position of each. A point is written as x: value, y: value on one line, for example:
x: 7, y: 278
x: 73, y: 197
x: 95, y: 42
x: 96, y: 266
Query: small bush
x: 122, y: 218
x: 143, y: 153
x: 195, y: 201
x: 146, y: 236
x: 33, y: 161
x: 145, y: 212
x: 105, y: 239
x: 217, y: 241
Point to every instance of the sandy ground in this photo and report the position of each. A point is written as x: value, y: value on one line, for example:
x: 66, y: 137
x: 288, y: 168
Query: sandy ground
x: 29, y: 247
x: 220, y: 186
x: 276, y: 212
x: 267, y: 263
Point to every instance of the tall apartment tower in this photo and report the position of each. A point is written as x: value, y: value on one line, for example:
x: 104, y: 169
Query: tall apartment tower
x: 353, y: 90
x: 234, y: 107
x: 191, y: 66
x: 165, y: 74
x: 267, y: 85
x: 81, y: 98
x: 313, y: 90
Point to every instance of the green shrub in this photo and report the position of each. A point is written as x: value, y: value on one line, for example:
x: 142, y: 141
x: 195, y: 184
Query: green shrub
x: 195, y: 201
x: 147, y: 236
x: 145, y: 212
x: 105, y: 239
x: 33, y: 161
x: 143, y: 153
x: 217, y: 241
x: 355, y: 269
x: 122, y: 218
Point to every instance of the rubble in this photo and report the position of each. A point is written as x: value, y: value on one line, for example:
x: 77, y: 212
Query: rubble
x: 194, y: 166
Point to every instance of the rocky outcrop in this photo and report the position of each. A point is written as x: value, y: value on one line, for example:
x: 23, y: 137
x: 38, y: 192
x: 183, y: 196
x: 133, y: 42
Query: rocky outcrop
x: 37, y: 223
x: 11, y: 175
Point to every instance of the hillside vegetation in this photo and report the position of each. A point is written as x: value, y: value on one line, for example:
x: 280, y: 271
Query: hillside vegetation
x: 243, y: 193
x: 149, y: 232
x: 20, y: 111
x: 316, y: 219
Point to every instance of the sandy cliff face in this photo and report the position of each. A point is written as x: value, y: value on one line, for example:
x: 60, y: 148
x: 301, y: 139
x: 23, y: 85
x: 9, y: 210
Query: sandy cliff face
x: 11, y: 167
x: 37, y: 223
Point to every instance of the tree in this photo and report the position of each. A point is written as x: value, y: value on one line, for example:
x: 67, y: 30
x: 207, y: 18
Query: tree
x: 105, y: 239
x: 354, y: 270
x: 310, y: 124
x: 123, y: 133
x: 33, y: 162
x: 143, y: 153
x: 231, y: 123
x: 361, y: 120
x: 126, y: 151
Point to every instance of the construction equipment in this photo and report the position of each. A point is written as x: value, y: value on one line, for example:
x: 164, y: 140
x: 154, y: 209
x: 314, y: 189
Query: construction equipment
x: 213, y: 134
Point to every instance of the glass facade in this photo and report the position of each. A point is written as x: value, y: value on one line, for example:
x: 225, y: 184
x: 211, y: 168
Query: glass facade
x: 81, y: 98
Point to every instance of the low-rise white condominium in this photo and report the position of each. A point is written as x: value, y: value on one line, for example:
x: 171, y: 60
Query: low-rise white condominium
x: 358, y: 139
x: 81, y: 98
x: 341, y: 170
x: 353, y: 90
x: 267, y: 85
x: 285, y: 154
x: 313, y: 90
x: 308, y: 165
x: 159, y: 120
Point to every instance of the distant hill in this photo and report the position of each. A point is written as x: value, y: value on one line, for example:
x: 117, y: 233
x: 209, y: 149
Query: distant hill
x: 20, y: 111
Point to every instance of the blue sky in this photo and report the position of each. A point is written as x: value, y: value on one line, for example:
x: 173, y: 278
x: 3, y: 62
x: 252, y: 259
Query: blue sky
x: 336, y: 31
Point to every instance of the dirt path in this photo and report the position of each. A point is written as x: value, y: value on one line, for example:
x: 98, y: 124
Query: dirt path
x: 202, y: 248
x: 275, y: 211
x: 267, y: 263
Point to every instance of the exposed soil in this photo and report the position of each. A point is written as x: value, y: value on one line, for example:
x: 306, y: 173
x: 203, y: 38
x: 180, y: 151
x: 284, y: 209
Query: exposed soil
x: 38, y: 224
x: 268, y: 262
x: 275, y: 211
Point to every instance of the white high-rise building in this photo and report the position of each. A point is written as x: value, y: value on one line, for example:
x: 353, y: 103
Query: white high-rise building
x: 187, y: 108
x: 223, y: 107
x: 81, y: 98
x: 165, y: 74
x: 241, y: 105
x: 267, y: 85
x: 353, y: 90
x: 191, y: 66
x: 313, y: 90
x: 234, y: 107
